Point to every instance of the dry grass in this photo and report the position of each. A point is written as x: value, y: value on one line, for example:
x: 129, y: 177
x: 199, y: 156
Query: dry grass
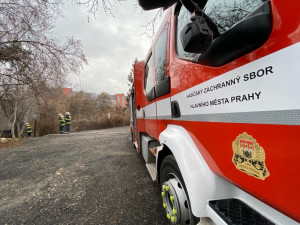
x: 6, y: 143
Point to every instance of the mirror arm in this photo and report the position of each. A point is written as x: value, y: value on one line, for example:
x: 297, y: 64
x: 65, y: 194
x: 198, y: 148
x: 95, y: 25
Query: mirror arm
x: 190, y: 5
x: 196, y: 14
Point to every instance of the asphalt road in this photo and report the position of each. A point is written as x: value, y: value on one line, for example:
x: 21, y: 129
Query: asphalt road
x: 91, y: 177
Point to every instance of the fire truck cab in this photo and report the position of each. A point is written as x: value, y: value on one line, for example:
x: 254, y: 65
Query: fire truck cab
x: 215, y: 110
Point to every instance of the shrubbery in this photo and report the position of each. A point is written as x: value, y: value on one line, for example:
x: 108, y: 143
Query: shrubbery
x: 87, y: 114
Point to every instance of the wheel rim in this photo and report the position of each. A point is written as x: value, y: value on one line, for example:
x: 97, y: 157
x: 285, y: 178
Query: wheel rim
x: 175, y: 201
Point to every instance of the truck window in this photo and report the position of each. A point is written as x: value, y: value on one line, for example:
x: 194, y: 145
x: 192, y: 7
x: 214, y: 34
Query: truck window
x: 161, y: 56
x: 183, y: 18
x: 225, y: 14
x: 148, y: 76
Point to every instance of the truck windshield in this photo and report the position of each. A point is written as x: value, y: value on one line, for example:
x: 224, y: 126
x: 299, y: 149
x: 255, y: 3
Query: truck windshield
x: 224, y: 13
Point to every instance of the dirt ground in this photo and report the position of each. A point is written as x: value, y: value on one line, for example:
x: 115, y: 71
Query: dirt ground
x: 90, y: 177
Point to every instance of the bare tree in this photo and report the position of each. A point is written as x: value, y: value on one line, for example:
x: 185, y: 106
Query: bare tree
x: 149, y: 27
x: 89, y: 108
x: 92, y: 7
x: 28, y: 53
x: 104, y: 102
x: 17, y: 105
x: 32, y: 62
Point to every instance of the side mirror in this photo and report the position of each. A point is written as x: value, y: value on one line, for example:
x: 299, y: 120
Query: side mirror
x: 154, y: 4
x: 196, y: 37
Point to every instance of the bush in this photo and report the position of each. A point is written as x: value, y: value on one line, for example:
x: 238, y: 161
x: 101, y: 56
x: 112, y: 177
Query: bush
x: 116, y: 120
x: 87, y: 114
x: 47, y: 123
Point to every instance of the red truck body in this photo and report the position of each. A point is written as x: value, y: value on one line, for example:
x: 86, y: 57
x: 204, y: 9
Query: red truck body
x: 243, y: 116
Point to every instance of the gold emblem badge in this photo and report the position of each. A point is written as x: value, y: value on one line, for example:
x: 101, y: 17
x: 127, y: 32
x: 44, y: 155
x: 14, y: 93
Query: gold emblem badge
x: 249, y: 157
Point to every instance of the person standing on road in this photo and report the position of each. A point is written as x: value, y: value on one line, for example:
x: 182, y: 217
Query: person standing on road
x: 68, y: 123
x: 61, y: 123
x: 28, y: 129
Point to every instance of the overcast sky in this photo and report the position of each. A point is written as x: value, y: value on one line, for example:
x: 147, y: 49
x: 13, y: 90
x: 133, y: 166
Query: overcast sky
x: 110, y: 43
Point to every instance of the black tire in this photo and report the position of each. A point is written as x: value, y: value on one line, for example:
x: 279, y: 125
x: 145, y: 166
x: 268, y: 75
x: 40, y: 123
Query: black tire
x: 168, y: 170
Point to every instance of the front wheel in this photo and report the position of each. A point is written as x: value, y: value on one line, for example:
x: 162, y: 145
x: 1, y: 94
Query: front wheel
x: 173, y: 191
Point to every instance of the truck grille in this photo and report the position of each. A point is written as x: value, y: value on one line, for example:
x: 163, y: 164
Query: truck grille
x: 236, y: 212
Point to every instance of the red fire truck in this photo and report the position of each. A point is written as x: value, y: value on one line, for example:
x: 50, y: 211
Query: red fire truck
x: 216, y: 110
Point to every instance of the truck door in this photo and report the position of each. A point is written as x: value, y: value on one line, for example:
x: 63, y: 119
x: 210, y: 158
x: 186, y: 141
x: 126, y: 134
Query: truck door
x: 133, y: 126
x: 162, y: 88
x: 157, y: 83
x: 149, y: 111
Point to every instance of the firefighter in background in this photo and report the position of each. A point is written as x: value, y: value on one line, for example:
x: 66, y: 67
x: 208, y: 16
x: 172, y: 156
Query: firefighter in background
x: 28, y: 129
x: 68, y: 123
x: 61, y: 123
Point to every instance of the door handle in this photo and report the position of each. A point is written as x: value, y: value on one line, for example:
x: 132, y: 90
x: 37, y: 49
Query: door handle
x: 175, y: 109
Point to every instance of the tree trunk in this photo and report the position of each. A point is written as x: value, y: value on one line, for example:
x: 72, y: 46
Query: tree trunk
x: 21, y: 130
x: 25, y: 119
x: 14, y: 120
x: 35, y: 128
x: 18, y: 129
